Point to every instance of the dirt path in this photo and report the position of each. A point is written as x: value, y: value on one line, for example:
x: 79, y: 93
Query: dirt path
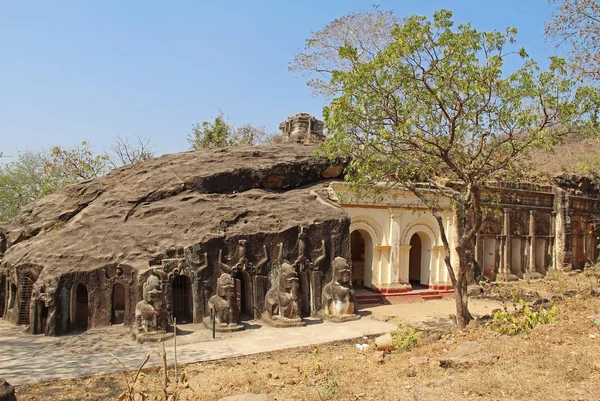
x: 28, y: 359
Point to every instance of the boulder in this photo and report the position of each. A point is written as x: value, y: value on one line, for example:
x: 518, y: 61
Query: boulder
x: 467, y: 354
x: 419, y: 360
x: 7, y: 392
x: 474, y: 290
x: 384, y: 342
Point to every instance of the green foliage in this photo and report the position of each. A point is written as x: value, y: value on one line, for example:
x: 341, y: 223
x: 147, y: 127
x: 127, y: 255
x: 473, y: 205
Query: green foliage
x: 405, y: 338
x: 219, y: 133
x: 76, y: 164
x: 436, y: 111
x: 524, y: 319
x: 210, y: 134
x: 34, y: 175
x: 332, y: 385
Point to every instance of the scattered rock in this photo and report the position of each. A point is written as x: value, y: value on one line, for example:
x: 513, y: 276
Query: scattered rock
x: 570, y: 293
x: 411, y: 373
x: 247, y: 397
x: 596, y: 320
x: 215, y: 388
x: 7, y: 392
x: 467, y: 354
x: 384, y: 342
x: 438, y: 383
x: 474, y: 290
x: 419, y: 360
x: 435, y: 336
x: 379, y: 357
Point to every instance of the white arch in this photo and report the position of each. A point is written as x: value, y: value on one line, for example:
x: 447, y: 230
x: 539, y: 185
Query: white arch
x: 419, y: 227
x: 368, y: 225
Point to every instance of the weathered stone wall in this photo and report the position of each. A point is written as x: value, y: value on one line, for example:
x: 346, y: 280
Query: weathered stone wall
x: 98, y: 240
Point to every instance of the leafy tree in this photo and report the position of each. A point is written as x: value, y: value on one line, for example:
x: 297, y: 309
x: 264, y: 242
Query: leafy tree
x: 24, y: 180
x: 576, y: 24
x: 369, y: 31
x: 210, y: 134
x: 34, y: 175
x: 126, y: 152
x: 436, y: 112
x: 76, y: 164
x: 219, y: 133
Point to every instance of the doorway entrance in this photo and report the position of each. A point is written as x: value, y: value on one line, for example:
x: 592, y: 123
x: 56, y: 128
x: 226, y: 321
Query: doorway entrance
x: 25, y: 304
x: 182, y: 299
x: 81, y: 312
x: 118, y: 304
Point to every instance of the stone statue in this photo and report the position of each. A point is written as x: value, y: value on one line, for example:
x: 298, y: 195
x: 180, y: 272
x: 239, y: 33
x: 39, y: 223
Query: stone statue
x: 150, y: 313
x: 338, y: 294
x: 223, y: 305
x: 282, y: 303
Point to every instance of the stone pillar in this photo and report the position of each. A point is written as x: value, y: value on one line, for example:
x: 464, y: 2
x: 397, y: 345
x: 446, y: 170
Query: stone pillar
x: 261, y: 285
x: 316, y: 289
x: 404, y: 252
x: 399, y: 260
x: 552, y: 242
x: 506, y: 274
x: 532, y: 272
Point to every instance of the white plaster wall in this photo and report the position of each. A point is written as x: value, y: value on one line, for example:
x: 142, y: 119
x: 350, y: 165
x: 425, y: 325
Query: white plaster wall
x: 392, y: 220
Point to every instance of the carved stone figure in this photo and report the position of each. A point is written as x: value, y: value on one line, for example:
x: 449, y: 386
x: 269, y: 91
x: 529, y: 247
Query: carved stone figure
x: 282, y: 303
x: 338, y: 294
x: 150, y: 313
x: 223, y: 305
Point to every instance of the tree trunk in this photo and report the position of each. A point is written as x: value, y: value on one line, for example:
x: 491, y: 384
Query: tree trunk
x: 463, y: 316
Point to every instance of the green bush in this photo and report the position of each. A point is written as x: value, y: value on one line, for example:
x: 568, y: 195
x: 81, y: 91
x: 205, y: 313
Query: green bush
x: 523, y: 320
x: 405, y: 338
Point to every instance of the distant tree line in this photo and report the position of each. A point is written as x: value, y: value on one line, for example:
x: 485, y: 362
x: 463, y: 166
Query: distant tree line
x: 35, y: 174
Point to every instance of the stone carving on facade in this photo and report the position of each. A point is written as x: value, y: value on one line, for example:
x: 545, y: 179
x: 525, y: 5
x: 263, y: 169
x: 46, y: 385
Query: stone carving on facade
x: 338, y: 295
x: 260, y: 266
x: 282, y: 302
x: 151, y: 317
x: 118, y: 277
x: 223, y: 305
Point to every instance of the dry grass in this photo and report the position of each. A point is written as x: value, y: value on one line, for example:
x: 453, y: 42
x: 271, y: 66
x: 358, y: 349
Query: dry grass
x: 576, y: 155
x: 559, y: 361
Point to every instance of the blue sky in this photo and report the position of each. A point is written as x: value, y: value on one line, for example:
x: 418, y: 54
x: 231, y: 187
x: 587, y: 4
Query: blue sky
x: 94, y: 70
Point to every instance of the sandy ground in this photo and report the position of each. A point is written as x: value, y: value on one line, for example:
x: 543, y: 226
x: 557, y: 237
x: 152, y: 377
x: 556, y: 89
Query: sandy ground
x: 29, y: 359
x: 557, y: 361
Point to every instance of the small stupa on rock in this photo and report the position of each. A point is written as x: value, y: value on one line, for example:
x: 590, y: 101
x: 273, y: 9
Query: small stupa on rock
x: 302, y: 128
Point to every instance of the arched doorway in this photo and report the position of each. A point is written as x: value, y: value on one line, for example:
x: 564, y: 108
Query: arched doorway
x: 80, y: 308
x: 182, y: 299
x: 42, y: 311
x: 2, y: 294
x: 243, y: 290
x: 419, y: 260
x: 361, y: 248
x: 26, y: 286
x: 118, y: 304
x: 414, y: 260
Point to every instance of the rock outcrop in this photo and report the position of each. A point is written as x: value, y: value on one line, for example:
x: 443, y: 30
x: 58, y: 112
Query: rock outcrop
x: 173, y: 214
